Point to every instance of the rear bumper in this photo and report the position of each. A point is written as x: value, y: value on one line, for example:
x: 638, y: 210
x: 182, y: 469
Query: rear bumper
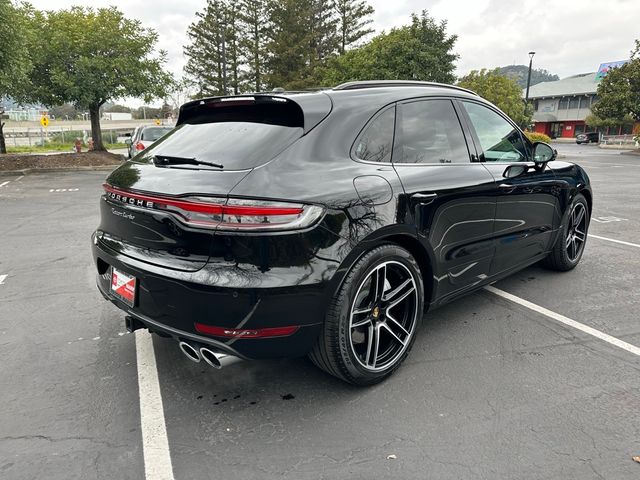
x: 172, y: 301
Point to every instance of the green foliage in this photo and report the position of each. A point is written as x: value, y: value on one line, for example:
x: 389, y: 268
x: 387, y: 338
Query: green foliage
x: 16, y: 37
x: 538, y: 137
x: 88, y: 57
x: 254, y: 29
x: 302, y: 36
x: 619, y: 91
x: 595, y: 121
x: 257, y: 44
x: 419, y: 51
x: 519, y: 73
x: 503, y: 92
x: 354, y: 20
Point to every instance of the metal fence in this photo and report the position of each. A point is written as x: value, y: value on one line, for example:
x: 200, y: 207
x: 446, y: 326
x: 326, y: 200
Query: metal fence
x: 629, y: 140
x: 23, y: 137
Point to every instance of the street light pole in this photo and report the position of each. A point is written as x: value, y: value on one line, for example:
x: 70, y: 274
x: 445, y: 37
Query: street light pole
x: 526, y: 97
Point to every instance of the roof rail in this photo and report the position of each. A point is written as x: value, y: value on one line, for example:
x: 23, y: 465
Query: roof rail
x: 396, y: 83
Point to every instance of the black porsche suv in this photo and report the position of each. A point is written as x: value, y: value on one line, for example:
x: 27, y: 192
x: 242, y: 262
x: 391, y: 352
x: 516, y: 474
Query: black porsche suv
x: 327, y: 223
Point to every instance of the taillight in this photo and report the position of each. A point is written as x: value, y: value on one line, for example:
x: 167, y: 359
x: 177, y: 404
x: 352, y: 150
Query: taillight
x: 234, y: 214
x: 245, y: 333
x: 139, y: 146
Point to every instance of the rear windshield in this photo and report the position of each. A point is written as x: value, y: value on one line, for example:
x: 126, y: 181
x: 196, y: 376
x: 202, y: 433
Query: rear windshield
x: 236, y: 145
x: 152, y: 134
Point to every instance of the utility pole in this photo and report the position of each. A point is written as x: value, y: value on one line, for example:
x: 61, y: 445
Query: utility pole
x: 526, y: 97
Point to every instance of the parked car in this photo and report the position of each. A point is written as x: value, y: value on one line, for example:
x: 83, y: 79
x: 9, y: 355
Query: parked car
x: 145, y: 136
x: 591, y: 137
x: 327, y: 223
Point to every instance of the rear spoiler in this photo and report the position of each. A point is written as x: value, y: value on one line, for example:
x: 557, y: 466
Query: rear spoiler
x: 305, y: 110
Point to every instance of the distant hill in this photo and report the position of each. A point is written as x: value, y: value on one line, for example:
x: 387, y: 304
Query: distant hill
x: 519, y: 74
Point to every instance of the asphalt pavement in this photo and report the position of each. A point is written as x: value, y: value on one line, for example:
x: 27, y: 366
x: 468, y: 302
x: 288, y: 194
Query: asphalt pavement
x: 492, y: 389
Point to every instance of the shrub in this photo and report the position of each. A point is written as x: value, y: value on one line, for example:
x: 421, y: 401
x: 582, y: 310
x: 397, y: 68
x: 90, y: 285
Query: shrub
x: 538, y: 137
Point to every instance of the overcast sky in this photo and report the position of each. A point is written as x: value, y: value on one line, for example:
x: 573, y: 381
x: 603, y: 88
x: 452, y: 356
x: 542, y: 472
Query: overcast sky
x: 569, y: 36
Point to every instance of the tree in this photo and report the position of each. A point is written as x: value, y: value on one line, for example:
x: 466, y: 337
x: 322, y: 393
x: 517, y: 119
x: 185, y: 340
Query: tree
x: 420, y: 51
x: 213, y: 54
x: 502, y: 91
x: 66, y: 111
x: 93, y: 56
x: 519, y: 73
x: 15, y: 61
x: 253, y: 38
x: 354, y: 18
x: 619, y: 91
x: 288, y: 44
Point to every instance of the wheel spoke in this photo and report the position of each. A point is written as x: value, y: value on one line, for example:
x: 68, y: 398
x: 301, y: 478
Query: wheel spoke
x: 569, y: 240
x: 360, y: 311
x: 393, y: 334
x: 369, y: 343
x: 360, y: 323
x: 396, y: 291
x: 397, y: 324
x: 579, y: 215
x: 375, y: 333
x: 379, y: 279
x: 397, y: 295
x: 579, y: 236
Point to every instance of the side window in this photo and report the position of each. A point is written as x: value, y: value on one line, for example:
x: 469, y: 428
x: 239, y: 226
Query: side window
x: 428, y: 131
x: 374, y: 145
x: 500, y: 141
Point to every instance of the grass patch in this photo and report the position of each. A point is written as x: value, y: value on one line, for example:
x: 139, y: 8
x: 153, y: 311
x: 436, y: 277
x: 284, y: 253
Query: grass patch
x: 56, y: 147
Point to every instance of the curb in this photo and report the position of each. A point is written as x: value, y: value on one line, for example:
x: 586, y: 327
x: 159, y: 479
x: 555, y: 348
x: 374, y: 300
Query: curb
x: 28, y: 171
x: 631, y: 152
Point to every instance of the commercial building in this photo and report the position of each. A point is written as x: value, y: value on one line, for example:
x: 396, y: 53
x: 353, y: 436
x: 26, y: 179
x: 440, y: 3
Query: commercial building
x: 561, y: 107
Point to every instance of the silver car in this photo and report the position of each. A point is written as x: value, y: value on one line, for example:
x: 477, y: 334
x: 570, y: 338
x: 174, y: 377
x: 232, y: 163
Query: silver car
x: 144, y: 136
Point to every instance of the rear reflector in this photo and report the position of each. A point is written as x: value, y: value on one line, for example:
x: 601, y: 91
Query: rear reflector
x: 232, y: 214
x: 240, y: 333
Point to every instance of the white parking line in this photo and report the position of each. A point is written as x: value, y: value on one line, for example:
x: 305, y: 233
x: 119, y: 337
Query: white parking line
x: 3, y: 278
x: 155, y: 444
x: 4, y: 183
x: 565, y: 320
x: 614, y: 241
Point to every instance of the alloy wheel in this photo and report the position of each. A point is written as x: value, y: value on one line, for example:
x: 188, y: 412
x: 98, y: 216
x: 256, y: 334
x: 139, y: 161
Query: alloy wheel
x: 383, y: 316
x: 576, y: 232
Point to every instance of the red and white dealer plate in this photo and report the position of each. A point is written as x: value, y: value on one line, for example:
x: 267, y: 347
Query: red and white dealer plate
x: 123, y: 286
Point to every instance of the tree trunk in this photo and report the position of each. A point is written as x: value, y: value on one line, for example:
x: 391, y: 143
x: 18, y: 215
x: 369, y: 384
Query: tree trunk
x: 96, y: 133
x: 3, y: 146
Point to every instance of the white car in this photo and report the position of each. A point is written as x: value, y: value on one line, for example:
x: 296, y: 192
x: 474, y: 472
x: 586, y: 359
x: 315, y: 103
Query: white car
x: 144, y: 136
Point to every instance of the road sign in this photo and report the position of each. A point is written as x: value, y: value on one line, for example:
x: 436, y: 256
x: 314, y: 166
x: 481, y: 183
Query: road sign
x: 157, y: 121
x: 44, y: 121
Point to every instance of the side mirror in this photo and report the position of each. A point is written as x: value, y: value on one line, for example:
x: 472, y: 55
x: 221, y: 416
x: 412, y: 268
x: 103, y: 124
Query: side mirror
x: 543, y: 153
x: 127, y: 141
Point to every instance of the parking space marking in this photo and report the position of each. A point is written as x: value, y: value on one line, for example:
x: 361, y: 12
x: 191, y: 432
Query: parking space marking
x: 155, y: 443
x: 5, y: 183
x: 609, y: 219
x: 565, y: 320
x: 614, y: 241
x: 3, y: 278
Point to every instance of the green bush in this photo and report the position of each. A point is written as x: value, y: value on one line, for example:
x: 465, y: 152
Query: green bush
x: 538, y: 137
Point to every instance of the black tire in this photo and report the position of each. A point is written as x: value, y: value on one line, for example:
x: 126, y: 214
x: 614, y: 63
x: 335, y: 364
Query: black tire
x: 562, y: 258
x: 335, y: 352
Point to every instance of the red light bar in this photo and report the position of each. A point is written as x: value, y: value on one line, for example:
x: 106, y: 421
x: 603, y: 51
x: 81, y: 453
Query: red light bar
x: 243, y: 333
x: 200, y: 207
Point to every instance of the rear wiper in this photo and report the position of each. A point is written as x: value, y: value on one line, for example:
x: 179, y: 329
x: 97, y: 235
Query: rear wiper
x: 166, y: 160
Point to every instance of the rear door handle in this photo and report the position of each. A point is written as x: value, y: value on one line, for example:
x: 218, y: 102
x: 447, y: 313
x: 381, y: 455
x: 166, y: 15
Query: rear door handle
x: 424, y: 197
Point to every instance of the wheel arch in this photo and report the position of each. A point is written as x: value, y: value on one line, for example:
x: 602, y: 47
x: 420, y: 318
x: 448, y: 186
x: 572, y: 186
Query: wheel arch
x: 588, y: 197
x: 415, y: 248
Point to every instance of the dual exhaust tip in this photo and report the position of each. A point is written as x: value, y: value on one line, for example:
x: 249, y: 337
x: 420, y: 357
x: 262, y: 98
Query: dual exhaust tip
x: 195, y: 353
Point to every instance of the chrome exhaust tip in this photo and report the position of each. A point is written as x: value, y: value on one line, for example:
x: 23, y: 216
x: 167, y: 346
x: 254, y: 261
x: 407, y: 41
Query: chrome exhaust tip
x: 189, y: 351
x: 216, y: 359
